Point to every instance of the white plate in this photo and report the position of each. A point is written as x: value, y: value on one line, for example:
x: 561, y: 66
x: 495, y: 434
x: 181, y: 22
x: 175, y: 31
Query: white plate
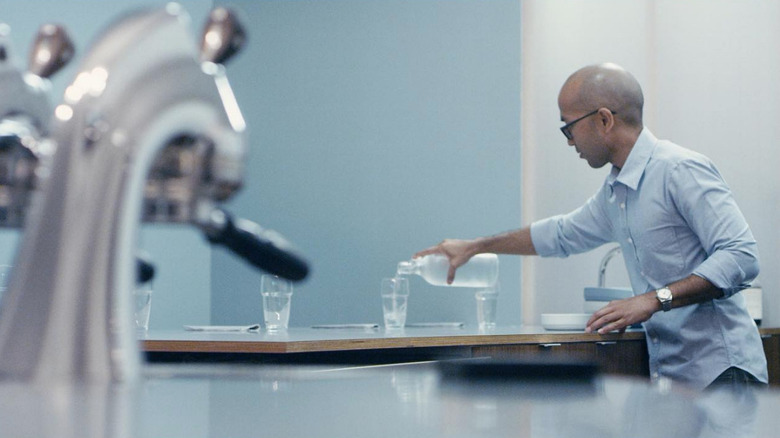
x: 565, y: 321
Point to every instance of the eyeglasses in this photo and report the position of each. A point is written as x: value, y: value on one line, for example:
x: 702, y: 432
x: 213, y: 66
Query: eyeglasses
x: 566, y: 129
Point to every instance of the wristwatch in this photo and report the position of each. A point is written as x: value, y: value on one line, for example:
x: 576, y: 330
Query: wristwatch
x: 664, y: 295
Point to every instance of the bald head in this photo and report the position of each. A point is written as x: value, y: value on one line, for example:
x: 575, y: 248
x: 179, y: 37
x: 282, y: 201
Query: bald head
x: 608, y: 86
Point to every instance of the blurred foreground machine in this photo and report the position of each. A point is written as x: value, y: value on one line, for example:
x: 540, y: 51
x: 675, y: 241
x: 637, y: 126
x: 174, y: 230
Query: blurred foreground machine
x: 25, y: 114
x: 25, y: 119
x: 149, y: 129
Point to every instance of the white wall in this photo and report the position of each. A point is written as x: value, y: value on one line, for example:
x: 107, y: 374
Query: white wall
x: 709, y: 72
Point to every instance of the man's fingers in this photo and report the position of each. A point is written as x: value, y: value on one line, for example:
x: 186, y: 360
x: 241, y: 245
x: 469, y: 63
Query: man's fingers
x: 617, y: 325
x: 451, y: 275
x: 425, y: 252
x: 600, y: 320
x: 596, y: 316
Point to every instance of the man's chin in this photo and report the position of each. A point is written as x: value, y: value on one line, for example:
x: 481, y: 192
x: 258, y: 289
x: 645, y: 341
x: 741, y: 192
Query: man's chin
x: 596, y: 165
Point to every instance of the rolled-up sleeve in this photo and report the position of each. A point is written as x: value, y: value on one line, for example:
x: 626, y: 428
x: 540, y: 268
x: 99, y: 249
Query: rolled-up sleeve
x: 707, y: 204
x: 581, y: 230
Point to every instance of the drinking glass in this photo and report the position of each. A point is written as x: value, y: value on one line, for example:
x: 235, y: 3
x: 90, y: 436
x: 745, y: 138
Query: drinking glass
x: 487, y: 306
x: 142, y: 297
x: 277, y: 296
x: 395, y: 295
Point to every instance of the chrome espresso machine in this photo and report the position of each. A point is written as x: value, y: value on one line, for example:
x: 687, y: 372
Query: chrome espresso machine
x: 148, y: 130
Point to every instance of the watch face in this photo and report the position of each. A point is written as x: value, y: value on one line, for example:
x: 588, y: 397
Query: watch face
x: 664, y: 294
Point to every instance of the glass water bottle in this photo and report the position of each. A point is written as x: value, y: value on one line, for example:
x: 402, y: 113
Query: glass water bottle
x: 480, y: 271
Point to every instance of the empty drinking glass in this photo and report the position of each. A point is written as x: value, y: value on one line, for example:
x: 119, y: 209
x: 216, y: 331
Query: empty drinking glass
x: 142, y: 297
x: 487, y: 306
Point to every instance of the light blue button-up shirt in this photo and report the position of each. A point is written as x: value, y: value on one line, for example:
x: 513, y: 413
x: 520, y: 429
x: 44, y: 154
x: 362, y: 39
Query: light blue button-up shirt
x: 673, y: 215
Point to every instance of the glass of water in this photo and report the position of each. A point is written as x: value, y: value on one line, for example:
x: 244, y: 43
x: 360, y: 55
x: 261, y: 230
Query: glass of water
x: 395, y: 295
x: 277, y: 295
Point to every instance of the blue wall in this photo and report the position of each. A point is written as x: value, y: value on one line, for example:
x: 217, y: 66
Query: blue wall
x: 377, y: 128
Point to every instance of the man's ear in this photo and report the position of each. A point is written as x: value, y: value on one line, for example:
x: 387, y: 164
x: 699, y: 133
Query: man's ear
x: 606, y: 118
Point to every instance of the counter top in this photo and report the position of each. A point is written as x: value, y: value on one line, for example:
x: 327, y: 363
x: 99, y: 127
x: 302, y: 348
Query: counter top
x: 296, y: 340
x: 399, y: 400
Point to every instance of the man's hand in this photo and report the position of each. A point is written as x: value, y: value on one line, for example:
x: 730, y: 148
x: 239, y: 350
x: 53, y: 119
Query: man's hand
x: 619, y: 314
x: 458, y: 252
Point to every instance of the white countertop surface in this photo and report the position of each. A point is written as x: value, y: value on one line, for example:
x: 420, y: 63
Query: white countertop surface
x: 390, y: 401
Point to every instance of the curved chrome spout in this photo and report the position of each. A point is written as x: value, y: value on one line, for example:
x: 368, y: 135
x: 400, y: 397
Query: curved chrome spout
x: 604, y: 261
x: 140, y: 89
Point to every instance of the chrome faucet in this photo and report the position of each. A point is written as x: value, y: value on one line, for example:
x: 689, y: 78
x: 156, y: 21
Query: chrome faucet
x: 604, y: 261
x: 149, y: 128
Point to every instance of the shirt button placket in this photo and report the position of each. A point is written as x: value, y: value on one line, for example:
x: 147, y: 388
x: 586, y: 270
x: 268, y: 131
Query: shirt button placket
x: 621, y: 194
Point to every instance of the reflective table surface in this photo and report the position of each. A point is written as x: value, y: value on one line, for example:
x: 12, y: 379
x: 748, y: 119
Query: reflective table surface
x: 399, y: 401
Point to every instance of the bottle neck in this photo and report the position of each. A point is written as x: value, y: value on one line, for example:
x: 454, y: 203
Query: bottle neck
x: 407, y: 267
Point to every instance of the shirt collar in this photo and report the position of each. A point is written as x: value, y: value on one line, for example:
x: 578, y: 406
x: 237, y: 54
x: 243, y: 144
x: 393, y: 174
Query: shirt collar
x: 636, y: 162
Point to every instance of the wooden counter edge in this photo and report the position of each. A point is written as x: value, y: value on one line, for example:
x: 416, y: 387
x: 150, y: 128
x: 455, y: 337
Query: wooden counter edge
x: 771, y: 331
x: 196, y: 346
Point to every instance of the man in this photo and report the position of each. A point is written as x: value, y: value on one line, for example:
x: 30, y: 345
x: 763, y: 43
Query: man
x: 686, y: 245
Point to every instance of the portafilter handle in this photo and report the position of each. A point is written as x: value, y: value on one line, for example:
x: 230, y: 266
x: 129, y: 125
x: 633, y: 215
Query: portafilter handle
x: 264, y: 249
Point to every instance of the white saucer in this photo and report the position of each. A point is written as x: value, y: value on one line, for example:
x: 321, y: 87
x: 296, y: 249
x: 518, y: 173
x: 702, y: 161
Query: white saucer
x: 565, y: 321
